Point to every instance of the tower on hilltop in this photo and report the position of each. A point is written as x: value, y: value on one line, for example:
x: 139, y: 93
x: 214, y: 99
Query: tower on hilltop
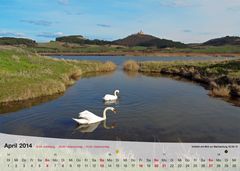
x: 141, y: 32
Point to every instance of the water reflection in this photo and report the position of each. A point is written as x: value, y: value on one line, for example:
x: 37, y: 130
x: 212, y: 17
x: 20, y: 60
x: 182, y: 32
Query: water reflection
x: 233, y: 100
x: 111, y: 102
x: 112, y: 126
x: 96, y: 74
x: 131, y: 74
x: 15, y: 106
x: 88, y: 128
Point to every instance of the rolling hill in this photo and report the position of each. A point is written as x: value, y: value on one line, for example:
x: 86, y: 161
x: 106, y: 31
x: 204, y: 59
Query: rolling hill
x: 17, y: 41
x: 146, y: 40
x: 228, y: 40
x: 138, y: 39
x: 79, y: 39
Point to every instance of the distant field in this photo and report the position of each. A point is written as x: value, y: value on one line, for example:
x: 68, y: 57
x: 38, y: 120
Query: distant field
x: 53, y: 47
x: 60, y: 47
x: 208, y: 49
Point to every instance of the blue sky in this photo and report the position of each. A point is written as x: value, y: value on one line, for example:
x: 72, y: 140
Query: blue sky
x: 182, y: 20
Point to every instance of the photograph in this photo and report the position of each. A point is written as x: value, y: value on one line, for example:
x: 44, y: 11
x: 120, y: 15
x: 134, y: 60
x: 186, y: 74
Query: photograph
x: 157, y: 71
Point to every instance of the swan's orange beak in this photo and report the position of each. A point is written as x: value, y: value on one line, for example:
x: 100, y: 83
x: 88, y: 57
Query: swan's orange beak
x: 114, y: 110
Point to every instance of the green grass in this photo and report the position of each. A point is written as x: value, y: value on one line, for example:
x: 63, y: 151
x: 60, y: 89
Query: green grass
x: 206, y: 49
x: 60, y: 47
x: 55, y: 47
x: 25, y: 75
x: 230, y: 68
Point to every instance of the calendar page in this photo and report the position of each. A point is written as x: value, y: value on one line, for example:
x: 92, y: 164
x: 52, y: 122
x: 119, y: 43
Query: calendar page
x: 100, y: 85
x: 32, y: 153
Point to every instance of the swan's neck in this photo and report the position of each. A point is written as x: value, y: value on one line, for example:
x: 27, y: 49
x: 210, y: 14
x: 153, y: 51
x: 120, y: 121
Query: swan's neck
x: 105, y: 112
x: 115, y: 93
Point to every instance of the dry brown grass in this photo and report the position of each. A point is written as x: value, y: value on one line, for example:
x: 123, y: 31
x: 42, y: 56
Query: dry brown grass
x: 221, y: 91
x: 131, y: 66
x: 76, y: 74
x: 108, y: 66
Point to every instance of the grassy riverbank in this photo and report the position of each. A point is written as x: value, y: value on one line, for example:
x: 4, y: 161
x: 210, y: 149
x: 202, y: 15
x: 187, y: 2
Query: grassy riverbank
x: 223, y: 77
x: 26, y: 75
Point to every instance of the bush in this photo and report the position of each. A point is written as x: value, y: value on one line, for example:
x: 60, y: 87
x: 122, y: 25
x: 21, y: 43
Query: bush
x: 131, y: 66
x: 220, y: 91
x: 108, y: 66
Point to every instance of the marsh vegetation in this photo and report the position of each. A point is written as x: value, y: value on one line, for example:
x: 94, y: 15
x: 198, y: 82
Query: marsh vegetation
x: 222, y: 76
x: 25, y: 75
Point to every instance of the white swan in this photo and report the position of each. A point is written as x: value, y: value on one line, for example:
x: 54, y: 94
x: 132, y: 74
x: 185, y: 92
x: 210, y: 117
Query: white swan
x: 109, y: 97
x: 87, y: 117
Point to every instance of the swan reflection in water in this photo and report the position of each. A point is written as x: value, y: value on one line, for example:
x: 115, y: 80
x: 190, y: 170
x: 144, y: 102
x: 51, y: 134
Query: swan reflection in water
x: 110, y: 102
x: 92, y: 127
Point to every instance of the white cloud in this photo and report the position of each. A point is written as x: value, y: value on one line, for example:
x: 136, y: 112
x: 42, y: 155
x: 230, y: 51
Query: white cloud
x: 50, y: 35
x: 104, y: 25
x: 38, y: 22
x: 11, y: 34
